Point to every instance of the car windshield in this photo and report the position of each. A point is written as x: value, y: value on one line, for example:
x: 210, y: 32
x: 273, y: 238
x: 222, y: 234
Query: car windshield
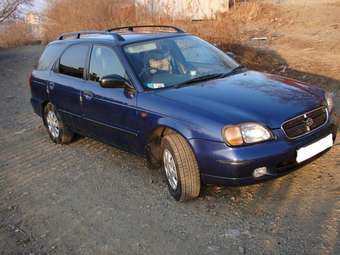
x: 176, y: 61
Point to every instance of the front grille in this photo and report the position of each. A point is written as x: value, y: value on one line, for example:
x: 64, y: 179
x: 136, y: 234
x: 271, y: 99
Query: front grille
x: 305, y: 123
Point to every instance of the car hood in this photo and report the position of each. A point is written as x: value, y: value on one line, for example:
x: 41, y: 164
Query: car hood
x: 248, y: 96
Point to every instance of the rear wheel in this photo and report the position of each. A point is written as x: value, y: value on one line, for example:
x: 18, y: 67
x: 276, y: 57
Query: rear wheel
x: 56, y: 129
x: 180, y: 167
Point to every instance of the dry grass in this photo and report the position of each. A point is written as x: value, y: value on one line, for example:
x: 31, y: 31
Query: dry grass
x: 15, y: 35
x: 246, y: 11
x: 103, y: 14
x: 69, y: 15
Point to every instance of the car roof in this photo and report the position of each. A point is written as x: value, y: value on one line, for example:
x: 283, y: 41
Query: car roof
x: 124, y: 38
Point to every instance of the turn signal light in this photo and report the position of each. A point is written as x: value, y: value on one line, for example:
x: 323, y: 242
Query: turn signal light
x: 233, y: 135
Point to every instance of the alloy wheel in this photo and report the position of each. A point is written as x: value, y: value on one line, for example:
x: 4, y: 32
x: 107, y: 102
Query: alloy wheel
x: 170, y: 169
x: 53, y: 124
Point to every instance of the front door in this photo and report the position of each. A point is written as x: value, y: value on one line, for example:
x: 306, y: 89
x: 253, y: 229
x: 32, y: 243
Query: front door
x: 108, y: 113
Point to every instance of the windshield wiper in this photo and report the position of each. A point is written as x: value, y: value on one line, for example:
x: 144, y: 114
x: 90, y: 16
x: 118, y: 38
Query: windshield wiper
x: 199, y: 79
x: 210, y: 77
x: 236, y: 70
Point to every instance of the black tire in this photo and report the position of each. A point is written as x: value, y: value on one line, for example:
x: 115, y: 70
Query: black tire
x: 188, y: 181
x: 65, y: 135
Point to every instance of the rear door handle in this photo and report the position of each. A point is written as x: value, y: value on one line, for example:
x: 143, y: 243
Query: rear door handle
x: 88, y: 94
x: 51, y: 85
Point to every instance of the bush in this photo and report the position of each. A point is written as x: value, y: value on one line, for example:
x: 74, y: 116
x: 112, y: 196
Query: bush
x: 15, y: 35
x: 69, y: 15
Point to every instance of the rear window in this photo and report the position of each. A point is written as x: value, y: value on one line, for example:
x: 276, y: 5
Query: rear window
x: 49, y: 56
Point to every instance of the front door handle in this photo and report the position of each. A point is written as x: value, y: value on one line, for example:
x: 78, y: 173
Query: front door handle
x: 88, y: 94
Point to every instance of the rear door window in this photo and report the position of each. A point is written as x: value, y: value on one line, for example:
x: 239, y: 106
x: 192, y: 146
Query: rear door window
x: 104, y: 61
x: 73, y: 60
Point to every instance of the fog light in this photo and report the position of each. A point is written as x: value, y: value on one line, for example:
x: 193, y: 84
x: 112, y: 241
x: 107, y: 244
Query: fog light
x: 261, y: 171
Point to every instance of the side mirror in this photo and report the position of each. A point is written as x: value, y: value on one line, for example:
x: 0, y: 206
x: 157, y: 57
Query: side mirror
x: 115, y: 81
x: 230, y: 54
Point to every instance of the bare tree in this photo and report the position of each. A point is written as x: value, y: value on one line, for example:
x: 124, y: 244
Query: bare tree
x: 9, y: 8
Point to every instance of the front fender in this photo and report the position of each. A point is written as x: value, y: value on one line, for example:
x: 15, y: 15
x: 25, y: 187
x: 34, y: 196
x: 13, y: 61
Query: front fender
x: 158, y: 126
x: 186, y: 129
x: 156, y: 112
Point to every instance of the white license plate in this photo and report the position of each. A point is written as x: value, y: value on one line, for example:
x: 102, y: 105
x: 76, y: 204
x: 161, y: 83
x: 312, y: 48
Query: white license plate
x: 313, y: 149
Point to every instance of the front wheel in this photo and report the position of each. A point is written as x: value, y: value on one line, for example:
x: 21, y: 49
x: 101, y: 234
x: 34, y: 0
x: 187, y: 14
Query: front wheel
x: 181, y: 169
x: 56, y: 129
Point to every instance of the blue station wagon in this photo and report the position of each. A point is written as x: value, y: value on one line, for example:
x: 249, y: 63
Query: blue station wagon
x: 183, y: 103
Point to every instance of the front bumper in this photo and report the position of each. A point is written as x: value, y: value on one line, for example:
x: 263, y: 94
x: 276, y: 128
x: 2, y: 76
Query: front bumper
x: 223, y: 165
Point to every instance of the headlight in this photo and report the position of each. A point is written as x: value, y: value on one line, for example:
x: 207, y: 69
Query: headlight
x: 330, y: 101
x: 246, y: 133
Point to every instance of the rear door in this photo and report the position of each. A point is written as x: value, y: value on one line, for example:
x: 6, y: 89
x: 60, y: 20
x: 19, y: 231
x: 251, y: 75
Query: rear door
x: 41, y: 75
x: 66, y: 83
x: 110, y: 113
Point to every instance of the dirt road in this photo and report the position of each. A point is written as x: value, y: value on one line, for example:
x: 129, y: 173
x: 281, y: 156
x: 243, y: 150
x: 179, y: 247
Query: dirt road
x: 90, y: 198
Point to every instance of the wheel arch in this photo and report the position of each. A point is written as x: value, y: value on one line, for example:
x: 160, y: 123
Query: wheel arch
x: 43, y: 105
x: 154, y: 138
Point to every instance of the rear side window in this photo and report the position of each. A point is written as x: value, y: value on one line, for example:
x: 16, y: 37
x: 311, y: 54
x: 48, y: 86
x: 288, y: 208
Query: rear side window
x: 49, y: 56
x: 73, y: 60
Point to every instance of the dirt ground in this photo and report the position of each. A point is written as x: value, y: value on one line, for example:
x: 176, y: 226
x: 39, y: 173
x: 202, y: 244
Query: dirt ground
x: 90, y: 198
x: 302, y: 41
x: 310, y: 38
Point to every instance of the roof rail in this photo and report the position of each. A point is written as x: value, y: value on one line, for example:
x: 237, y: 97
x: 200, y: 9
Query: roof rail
x: 78, y: 34
x: 131, y: 28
